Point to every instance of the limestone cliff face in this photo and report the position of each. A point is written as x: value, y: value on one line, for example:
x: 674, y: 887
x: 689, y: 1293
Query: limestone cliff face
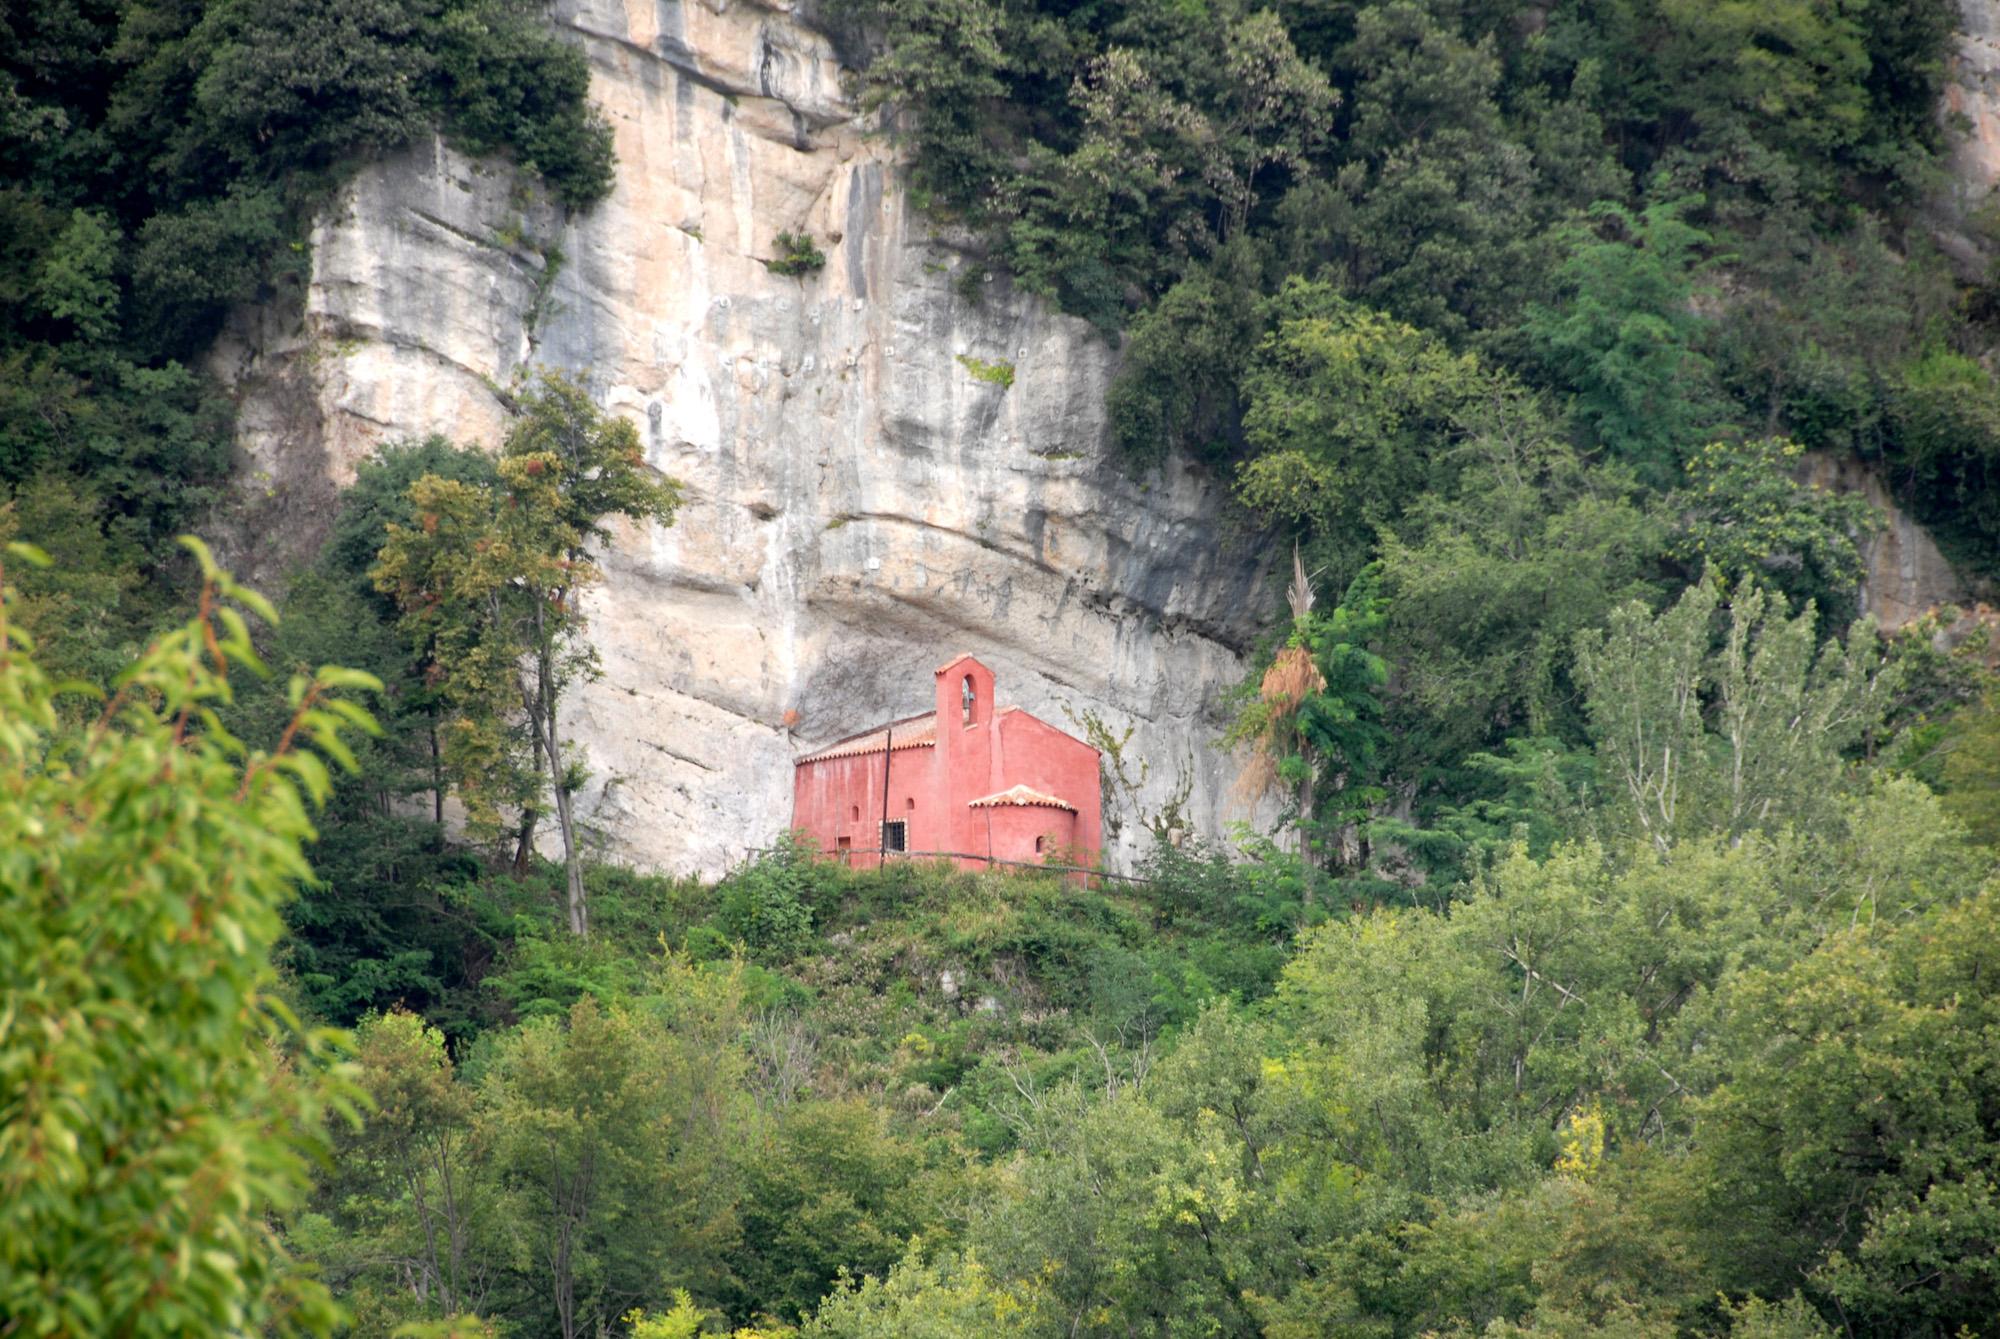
x: 1907, y: 576
x: 1971, y: 114
x: 866, y: 492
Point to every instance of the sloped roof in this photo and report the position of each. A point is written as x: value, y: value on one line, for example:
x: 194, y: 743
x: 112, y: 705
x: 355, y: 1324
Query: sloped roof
x: 1020, y: 796
x: 912, y: 732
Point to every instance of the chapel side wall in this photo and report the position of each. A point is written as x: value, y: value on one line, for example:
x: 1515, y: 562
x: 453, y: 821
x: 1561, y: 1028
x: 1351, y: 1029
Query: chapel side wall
x: 825, y: 792
x: 842, y: 797
x: 913, y: 798
x: 1038, y: 755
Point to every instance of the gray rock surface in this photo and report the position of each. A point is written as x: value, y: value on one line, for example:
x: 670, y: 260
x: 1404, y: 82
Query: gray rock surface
x: 861, y: 504
x: 1907, y: 575
x: 1971, y: 114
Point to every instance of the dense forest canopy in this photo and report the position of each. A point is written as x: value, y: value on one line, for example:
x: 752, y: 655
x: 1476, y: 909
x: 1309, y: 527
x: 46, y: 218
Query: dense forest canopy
x: 1619, y: 959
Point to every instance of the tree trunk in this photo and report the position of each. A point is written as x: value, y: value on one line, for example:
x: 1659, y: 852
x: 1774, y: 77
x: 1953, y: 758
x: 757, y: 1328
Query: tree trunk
x: 437, y: 775
x: 531, y: 702
x: 1305, y: 841
x: 524, y: 843
x: 579, y: 914
x: 544, y: 714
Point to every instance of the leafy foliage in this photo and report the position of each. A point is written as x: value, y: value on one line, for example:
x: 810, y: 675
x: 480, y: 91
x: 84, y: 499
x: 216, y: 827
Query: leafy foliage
x: 158, y: 1103
x: 1747, y: 737
x: 1858, y: 1076
x: 1743, y: 513
x: 161, y: 163
x: 489, y: 579
x: 798, y: 255
x: 1628, y: 977
x: 1626, y: 339
x: 1347, y: 411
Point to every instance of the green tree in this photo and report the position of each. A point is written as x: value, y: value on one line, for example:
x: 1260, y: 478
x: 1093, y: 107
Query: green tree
x: 1750, y: 736
x: 946, y: 1297
x: 1943, y: 422
x: 76, y: 284
x: 1486, y: 583
x: 490, y: 580
x: 80, y: 610
x: 1628, y: 338
x: 1346, y: 413
x: 1744, y: 512
x: 1854, y: 1139
x: 1970, y: 776
x: 506, y: 84
x: 158, y: 1105
x: 1432, y: 213
x: 941, y: 61
x: 828, y: 1190
x: 1127, y: 1218
x: 610, y: 1140
x: 1178, y: 387
x: 378, y: 499
x: 410, y: 1196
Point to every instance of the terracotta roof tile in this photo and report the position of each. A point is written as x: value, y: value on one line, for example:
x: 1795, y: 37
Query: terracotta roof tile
x: 1020, y: 795
x: 912, y: 732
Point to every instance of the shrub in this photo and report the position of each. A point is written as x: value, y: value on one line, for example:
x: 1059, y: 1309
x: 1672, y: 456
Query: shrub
x: 797, y: 255
x: 999, y: 373
x: 765, y: 904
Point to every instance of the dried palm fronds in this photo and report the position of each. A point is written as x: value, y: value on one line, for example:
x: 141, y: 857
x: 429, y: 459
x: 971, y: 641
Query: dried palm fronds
x: 1293, y: 677
x: 1299, y: 595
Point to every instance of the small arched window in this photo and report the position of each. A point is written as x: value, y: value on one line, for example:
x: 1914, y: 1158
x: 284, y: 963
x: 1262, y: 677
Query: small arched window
x: 968, y: 697
x: 910, y: 803
x: 854, y: 812
x: 1038, y: 844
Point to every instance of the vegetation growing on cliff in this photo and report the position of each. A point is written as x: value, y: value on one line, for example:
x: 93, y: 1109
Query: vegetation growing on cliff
x: 798, y: 255
x: 159, y: 163
x: 1508, y: 314
x: 1621, y: 962
x: 488, y: 576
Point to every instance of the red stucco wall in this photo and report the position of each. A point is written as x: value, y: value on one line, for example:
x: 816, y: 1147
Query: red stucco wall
x: 842, y: 798
x: 931, y: 786
x: 1036, y: 754
x: 1017, y: 827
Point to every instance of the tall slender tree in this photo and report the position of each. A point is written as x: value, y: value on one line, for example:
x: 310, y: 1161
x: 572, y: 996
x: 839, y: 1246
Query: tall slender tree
x: 491, y: 576
x: 1313, y: 724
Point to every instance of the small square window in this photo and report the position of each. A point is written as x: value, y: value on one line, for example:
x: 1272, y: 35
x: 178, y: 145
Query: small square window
x: 895, y: 836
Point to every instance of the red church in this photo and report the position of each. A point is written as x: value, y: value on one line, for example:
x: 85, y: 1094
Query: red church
x: 971, y: 780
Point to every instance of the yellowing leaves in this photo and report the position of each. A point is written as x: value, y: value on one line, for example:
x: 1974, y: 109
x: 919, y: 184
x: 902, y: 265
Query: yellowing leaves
x: 1582, y: 1138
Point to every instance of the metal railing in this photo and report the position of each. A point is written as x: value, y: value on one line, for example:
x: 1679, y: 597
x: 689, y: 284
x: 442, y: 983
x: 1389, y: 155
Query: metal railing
x: 882, y: 857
